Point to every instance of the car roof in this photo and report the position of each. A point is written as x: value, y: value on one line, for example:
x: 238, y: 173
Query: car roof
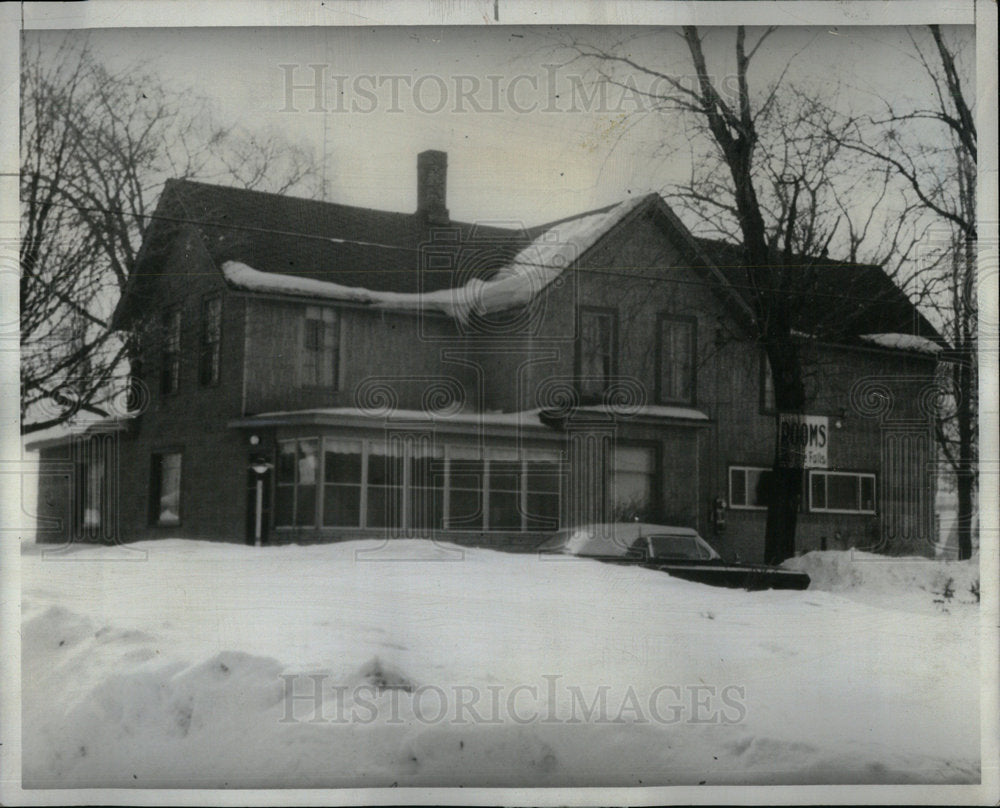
x: 615, y: 538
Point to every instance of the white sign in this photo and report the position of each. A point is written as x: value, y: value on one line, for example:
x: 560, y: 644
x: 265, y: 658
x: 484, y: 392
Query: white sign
x: 803, y: 440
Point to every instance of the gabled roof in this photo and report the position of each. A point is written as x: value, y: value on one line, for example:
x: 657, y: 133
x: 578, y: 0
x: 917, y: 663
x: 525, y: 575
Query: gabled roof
x: 278, y: 244
x: 834, y: 299
x: 347, y: 245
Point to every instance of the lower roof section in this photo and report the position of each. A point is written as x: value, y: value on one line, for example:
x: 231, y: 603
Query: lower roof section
x: 536, y: 421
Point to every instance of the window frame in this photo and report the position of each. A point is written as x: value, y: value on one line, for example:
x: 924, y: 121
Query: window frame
x: 605, y: 311
x: 692, y: 322
x: 729, y: 480
x: 156, y: 486
x: 207, y: 346
x: 318, y: 483
x: 858, y: 475
x: 335, y: 327
x: 446, y: 460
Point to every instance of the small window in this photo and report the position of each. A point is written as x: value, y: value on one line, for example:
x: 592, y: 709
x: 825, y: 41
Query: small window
x: 596, y: 351
x: 171, y: 370
x: 749, y: 487
x: 342, y: 480
x: 841, y: 492
x: 211, y: 340
x: 165, y: 489
x: 676, y: 380
x: 320, y: 348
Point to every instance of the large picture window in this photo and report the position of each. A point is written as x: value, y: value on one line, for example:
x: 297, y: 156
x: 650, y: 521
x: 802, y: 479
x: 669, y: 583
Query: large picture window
x: 596, y: 350
x: 676, y: 350
x: 841, y: 492
x: 295, y: 483
x: 211, y: 340
x: 165, y: 489
x: 170, y: 372
x: 749, y: 487
x: 415, y: 486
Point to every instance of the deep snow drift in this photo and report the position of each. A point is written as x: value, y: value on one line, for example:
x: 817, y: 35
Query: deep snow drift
x: 172, y: 664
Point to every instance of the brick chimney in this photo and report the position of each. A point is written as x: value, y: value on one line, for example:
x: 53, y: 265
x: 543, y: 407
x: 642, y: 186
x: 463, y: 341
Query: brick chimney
x: 432, y: 179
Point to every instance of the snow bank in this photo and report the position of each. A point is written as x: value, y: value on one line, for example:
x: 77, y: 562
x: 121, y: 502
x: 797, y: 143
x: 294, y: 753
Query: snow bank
x: 514, y: 284
x: 913, y: 583
x: 903, y: 342
x: 228, y: 666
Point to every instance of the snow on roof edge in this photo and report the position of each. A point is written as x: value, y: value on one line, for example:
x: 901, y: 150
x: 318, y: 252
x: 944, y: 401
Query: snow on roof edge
x: 513, y: 284
x: 903, y: 342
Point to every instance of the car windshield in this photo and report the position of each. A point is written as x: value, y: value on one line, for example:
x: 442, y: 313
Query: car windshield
x: 683, y: 547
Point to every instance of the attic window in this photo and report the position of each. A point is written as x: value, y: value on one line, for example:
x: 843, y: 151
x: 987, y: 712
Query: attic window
x: 320, y: 347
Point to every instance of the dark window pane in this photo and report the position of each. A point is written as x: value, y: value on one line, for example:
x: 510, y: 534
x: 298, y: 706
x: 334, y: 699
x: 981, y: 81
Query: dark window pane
x: 842, y: 492
x: 465, y: 510
x: 763, y: 485
x: 342, y: 467
x: 426, y: 507
x: 867, y: 494
x: 473, y: 482
x: 504, y: 482
x: 543, y: 511
x: 384, y: 470
x: 818, y: 490
x: 504, y: 513
x: 286, y: 463
x: 283, y: 499
x: 384, y: 507
x: 543, y: 477
x: 342, y: 505
x: 738, y: 486
x: 305, y: 506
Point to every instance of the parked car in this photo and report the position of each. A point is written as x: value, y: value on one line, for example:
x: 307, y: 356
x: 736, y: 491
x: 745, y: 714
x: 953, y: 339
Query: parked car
x: 678, y: 551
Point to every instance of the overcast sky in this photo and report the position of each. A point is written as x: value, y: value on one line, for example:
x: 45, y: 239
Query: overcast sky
x: 524, y: 143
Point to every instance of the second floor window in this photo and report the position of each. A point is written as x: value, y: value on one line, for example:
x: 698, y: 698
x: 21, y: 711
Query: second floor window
x: 320, y: 347
x: 595, y: 351
x: 171, y: 370
x: 211, y: 340
x: 676, y: 360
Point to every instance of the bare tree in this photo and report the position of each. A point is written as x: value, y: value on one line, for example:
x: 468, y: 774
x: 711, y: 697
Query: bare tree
x: 96, y: 147
x: 941, y: 173
x: 765, y: 177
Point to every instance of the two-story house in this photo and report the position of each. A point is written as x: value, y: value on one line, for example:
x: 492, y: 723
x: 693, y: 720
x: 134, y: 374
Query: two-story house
x: 308, y: 371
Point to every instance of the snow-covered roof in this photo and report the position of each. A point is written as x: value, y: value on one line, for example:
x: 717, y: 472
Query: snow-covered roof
x: 520, y: 418
x: 513, y: 284
x: 902, y: 342
x: 61, y: 433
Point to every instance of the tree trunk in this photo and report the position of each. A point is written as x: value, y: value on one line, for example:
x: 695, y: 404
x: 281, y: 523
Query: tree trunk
x: 965, y: 472
x: 786, y: 489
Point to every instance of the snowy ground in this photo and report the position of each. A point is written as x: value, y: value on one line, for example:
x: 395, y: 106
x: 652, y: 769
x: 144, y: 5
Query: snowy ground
x: 476, y: 667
